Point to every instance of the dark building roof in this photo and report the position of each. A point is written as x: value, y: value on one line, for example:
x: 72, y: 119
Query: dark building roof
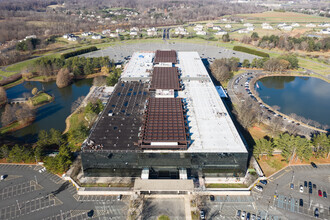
x: 118, y: 126
x: 165, y: 56
x: 165, y: 78
x: 164, y: 122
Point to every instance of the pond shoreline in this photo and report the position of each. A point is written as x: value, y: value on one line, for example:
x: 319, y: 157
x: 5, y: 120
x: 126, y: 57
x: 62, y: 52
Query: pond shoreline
x: 256, y: 94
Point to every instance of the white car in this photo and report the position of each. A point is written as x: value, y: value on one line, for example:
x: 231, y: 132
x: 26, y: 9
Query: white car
x: 301, y: 189
x: 243, y: 215
x: 259, y: 188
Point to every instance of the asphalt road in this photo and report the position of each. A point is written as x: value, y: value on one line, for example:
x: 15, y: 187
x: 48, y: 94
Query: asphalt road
x: 29, y: 194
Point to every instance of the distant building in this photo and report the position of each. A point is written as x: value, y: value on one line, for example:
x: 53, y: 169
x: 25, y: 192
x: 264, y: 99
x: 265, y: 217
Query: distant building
x: 30, y: 36
x: 133, y: 33
x: 114, y: 35
x: 106, y: 32
x: 134, y: 29
x: 248, y: 25
x: 85, y: 34
x: 96, y: 37
x: 250, y: 28
x: 310, y: 25
x: 218, y: 28
x: 152, y: 32
x: 324, y: 25
x: 180, y: 30
x: 198, y: 27
x: 201, y: 33
x: 286, y: 28
x: 243, y: 31
x: 295, y: 25
x: 221, y: 32
x: 209, y: 25
x: 227, y: 26
x: 118, y: 30
x: 325, y: 31
x: 266, y: 26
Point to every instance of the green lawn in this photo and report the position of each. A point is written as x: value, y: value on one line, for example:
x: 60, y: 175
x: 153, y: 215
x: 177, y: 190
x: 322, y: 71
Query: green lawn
x: 4, y: 130
x: 40, y: 99
x: 226, y: 185
x: 163, y: 217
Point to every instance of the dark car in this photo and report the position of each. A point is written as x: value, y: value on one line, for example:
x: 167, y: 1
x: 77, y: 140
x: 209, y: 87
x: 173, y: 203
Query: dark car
x: 305, y: 183
x: 301, y: 202
x: 263, y: 182
x: 314, y: 186
x: 316, y: 213
x: 313, y: 165
x: 309, y: 183
x: 325, y: 194
x: 90, y: 213
x: 212, y: 198
x: 291, y: 186
x: 320, y: 193
x: 248, y: 216
x: 310, y: 190
x: 238, y: 214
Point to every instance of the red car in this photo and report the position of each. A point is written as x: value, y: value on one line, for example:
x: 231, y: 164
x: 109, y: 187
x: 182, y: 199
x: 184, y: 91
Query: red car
x: 320, y: 193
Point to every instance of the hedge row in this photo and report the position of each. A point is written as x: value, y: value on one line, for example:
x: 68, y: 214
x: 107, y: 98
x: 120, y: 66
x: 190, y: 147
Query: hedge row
x: 78, y: 52
x: 250, y: 51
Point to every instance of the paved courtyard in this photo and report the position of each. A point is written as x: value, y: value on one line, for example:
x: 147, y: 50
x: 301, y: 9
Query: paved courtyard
x: 173, y: 208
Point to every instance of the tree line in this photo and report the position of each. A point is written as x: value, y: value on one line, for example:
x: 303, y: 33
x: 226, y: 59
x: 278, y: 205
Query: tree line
x: 289, y: 43
x: 294, y: 147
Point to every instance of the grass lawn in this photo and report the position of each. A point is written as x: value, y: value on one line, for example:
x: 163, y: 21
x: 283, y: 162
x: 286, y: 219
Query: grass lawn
x: 226, y: 185
x: 195, y: 215
x: 0, y: 77
x: 163, y: 217
x: 40, y: 98
x: 4, y: 130
x: 277, y: 17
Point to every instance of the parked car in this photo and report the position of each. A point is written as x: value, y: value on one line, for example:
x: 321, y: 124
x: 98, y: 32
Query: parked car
x: 248, y: 216
x: 263, y: 182
x: 305, y: 183
x: 212, y: 198
x: 243, y: 215
x: 314, y: 186
x: 291, y: 186
x: 259, y: 188
x: 310, y: 190
x: 301, y: 189
x: 90, y: 213
x: 253, y: 217
x: 119, y: 197
x: 316, y: 213
x: 238, y: 214
x: 325, y: 194
x: 301, y: 202
x: 202, y: 214
x: 313, y: 165
x: 3, y: 177
x: 320, y: 193
x: 310, y: 183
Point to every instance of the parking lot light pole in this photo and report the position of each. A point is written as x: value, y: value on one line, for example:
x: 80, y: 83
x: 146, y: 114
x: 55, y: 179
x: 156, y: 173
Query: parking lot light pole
x: 19, y: 208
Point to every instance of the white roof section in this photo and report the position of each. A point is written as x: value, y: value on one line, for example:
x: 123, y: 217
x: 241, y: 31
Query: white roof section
x: 191, y: 65
x: 211, y: 127
x: 139, y: 66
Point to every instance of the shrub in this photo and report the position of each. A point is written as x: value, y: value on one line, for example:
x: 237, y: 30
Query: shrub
x: 251, y: 51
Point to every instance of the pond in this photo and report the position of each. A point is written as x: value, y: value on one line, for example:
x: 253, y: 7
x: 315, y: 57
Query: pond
x: 51, y: 115
x: 308, y: 97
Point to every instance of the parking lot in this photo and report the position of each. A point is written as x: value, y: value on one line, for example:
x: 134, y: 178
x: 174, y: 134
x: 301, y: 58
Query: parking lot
x: 121, y: 51
x: 280, y: 195
x: 31, y: 192
x: 227, y: 207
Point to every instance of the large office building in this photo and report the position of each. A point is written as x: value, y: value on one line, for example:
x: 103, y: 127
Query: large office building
x: 164, y: 119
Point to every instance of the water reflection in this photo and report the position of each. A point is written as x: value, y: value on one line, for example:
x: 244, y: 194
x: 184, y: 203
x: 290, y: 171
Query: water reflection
x: 305, y: 96
x: 51, y: 115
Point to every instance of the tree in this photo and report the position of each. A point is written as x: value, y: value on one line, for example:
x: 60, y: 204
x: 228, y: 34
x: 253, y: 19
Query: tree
x: 105, y: 70
x: 254, y: 36
x: 4, y: 151
x: 63, y: 78
x: 8, y: 115
x: 222, y: 68
x: 321, y: 143
x: 3, y: 95
x: 226, y: 38
x: 24, y: 113
x: 287, y: 144
x: 246, y: 63
x: 245, y: 114
x: 303, y: 148
x: 34, y: 91
x: 263, y: 146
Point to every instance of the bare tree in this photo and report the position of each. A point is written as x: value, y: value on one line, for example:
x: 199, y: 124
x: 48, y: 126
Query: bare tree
x: 3, y: 95
x: 275, y: 126
x: 24, y: 113
x: 63, y: 78
x: 246, y: 114
x: 7, y: 116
